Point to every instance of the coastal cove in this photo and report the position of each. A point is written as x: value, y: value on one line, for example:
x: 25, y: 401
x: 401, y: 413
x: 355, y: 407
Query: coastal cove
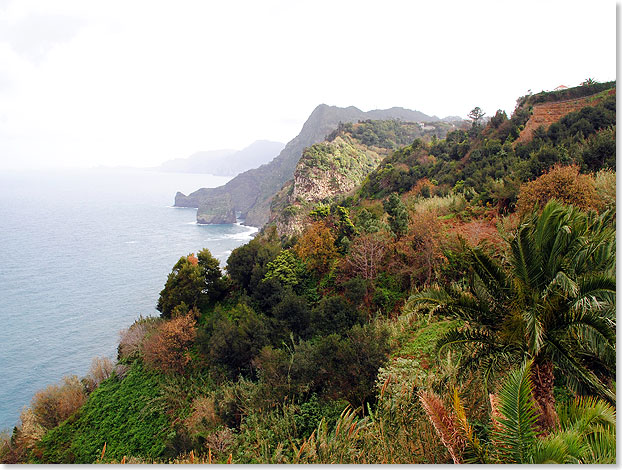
x: 85, y: 253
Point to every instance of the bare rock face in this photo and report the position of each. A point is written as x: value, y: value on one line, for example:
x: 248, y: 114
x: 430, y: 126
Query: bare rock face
x: 222, y: 212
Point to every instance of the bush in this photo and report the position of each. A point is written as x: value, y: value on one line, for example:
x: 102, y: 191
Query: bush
x: 234, y: 342
x: 605, y: 183
x: 563, y: 183
x: 56, y: 403
x: 294, y: 314
x: 101, y: 369
x: 131, y: 340
x: 167, y: 349
x: 334, y: 315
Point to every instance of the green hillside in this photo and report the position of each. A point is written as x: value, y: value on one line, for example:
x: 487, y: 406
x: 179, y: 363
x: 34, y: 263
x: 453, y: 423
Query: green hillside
x: 458, y: 306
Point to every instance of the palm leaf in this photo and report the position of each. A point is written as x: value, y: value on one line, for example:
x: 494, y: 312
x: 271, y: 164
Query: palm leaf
x: 516, y: 433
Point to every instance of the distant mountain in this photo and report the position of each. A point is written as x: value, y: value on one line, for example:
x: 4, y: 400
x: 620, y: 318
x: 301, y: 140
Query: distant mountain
x: 452, y: 119
x: 250, y: 192
x: 226, y: 162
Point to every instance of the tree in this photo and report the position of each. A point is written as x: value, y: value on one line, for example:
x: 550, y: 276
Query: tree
x: 588, y: 82
x: 294, y: 314
x: 499, y: 118
x: 554, y: 304
x: 365, y: 256
x: 286, y: 268
x: 185, y: 283
x: 316, y: 247
x: 247, y: 264
x: 476, y: 115
x: 398, y: 215
x: 215, y: 284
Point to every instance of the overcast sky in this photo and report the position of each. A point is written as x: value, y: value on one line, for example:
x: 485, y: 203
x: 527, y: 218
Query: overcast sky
x: 86, y: 83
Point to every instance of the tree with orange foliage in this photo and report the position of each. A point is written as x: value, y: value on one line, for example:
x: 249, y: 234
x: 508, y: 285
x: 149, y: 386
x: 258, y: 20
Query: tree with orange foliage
x: 418, y: 254
x: 563, y: 183
x: 316, y: 247
x: 168, y: 348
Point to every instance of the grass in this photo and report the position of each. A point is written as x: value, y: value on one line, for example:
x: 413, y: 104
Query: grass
x: 119, y: 414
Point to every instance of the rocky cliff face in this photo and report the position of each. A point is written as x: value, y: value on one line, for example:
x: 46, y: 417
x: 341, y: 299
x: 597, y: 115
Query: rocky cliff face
x: 336, y: 167
x: 250, y: 192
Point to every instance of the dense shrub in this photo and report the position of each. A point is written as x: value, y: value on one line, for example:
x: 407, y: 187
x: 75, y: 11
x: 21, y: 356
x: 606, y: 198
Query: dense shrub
x: 101, y: 369
x: 131, y: 339
x: 56, y: 403
x: 563, y: 183
x: 167, y: 349
x: 334, y: 315
x: 123, y: 415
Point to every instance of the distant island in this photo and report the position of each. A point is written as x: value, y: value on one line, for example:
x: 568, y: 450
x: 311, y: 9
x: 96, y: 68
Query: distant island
x: 225, y: 162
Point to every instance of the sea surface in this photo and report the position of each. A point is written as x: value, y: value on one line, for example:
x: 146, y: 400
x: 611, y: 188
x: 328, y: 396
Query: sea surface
x: 83, y: 253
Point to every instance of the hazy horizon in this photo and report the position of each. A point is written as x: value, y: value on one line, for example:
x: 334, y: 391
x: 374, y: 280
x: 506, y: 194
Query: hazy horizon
x: 86, y: 84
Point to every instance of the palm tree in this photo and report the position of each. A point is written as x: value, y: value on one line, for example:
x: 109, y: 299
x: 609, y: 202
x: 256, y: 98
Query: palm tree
x: 554, y: 304
x: 585, y: 432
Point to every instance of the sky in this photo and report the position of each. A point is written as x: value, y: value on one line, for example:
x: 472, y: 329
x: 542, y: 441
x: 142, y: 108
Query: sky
x: 136, y: 83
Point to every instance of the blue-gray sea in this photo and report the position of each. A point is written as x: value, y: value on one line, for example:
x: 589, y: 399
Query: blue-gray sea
x: 83, y: 253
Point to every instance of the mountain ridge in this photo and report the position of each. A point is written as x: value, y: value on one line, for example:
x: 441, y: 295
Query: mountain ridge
x: 250, y: 192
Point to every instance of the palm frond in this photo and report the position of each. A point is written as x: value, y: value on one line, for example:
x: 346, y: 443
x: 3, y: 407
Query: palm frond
x: 444, y: 423
x: 478, y: 453
x: 517, y: 434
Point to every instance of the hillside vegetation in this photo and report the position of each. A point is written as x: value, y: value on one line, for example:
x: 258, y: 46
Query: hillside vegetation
x: 337, y: 166
x: 458, y: 306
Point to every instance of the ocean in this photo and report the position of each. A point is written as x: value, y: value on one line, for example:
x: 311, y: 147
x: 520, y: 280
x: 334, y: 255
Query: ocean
x: 83, y: 253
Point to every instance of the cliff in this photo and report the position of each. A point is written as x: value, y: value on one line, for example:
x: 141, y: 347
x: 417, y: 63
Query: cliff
x: 337, y: 166
x: 250, y: 192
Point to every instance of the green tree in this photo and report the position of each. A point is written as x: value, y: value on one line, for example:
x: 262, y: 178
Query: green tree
x: 554, y: 304
x: 185, y: 284
x: 476, y: 115
x: 286, y: 268
x: 398, y: 215
x: 215, y: 284
x: 247, y: 264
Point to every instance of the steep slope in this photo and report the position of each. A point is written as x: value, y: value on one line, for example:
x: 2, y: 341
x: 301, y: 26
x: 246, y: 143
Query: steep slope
x: 490, y: 163
x: 226, y: 162
x: 338, y: 165
x: 547, y: 113
x: 250, y: 192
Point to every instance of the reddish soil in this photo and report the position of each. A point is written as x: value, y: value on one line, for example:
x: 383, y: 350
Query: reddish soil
x: 545, y: 114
